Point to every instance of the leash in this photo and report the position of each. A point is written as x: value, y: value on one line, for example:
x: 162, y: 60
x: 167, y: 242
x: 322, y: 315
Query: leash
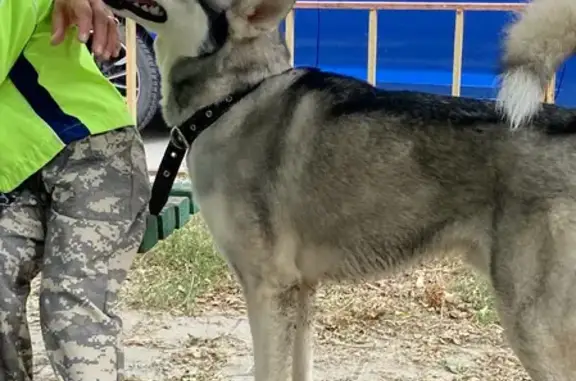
x: 181, y: 138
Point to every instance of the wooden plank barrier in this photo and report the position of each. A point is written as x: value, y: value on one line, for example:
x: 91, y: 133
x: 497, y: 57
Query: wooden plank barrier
x: 374, y: 6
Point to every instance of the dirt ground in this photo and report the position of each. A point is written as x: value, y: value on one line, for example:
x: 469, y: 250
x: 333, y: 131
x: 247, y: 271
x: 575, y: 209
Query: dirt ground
x: 403, y: 329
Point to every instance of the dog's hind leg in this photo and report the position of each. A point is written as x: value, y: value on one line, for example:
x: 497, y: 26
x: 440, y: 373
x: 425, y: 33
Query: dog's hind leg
x: 534, y: 276
x: 303, y: 341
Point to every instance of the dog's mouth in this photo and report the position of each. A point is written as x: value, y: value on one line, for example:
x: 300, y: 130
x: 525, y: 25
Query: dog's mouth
x: 148, y: 10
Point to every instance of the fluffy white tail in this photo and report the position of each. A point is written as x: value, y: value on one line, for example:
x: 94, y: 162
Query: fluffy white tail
x: 536, y: 44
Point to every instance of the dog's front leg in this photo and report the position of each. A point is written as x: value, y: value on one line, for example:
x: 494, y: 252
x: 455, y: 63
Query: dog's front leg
x: 303, y: 341
x: 271, y: 316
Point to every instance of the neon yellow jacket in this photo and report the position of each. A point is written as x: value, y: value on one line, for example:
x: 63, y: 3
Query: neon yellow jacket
x: 50, y: 95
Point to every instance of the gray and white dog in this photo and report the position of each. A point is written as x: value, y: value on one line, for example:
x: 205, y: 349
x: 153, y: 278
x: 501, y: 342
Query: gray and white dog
x: 314, y: 177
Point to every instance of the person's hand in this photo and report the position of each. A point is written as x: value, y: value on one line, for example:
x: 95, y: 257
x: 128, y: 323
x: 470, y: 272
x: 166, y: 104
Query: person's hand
x: 90, y: 16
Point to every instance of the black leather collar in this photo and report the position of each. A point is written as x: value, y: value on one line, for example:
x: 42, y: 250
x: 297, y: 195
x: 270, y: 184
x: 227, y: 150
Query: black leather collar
x: 181, y: 138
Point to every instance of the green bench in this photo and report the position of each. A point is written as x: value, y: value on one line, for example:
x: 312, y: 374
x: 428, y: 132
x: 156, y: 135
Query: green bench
x: 174, y: 215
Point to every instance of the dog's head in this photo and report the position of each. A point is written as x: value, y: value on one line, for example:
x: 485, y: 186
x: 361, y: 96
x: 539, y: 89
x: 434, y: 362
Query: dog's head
x: 208, y: 48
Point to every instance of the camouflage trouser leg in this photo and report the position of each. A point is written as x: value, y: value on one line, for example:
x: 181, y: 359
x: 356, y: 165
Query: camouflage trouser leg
x: 21, y: 247
x: 91, y: 225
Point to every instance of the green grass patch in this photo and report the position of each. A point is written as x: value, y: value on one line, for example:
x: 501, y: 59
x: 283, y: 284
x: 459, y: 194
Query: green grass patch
x: 475, y: 290
x: 179, y: 269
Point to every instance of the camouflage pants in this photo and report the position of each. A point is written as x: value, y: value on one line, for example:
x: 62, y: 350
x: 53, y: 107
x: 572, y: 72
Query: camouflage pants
x: 79, y: 222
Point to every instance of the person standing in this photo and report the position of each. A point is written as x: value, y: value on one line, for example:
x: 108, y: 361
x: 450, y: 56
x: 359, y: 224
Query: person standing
x: 74, y: 188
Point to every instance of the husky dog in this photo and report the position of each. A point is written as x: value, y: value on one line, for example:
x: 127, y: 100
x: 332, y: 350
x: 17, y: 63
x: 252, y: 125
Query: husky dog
x: 314, y: 177
x: 536, y: 44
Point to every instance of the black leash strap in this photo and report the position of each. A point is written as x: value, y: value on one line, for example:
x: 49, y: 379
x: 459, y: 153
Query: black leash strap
x: 167, y: 171
x: 181, y: 138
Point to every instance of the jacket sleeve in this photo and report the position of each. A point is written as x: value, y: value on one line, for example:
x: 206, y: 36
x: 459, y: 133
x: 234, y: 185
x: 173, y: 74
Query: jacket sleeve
x: 18, y: 19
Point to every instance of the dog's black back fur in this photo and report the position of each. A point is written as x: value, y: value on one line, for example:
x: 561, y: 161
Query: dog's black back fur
x: 352, y: 96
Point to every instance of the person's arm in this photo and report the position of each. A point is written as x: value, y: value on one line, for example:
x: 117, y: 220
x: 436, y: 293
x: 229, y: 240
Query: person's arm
x: 18, y: 19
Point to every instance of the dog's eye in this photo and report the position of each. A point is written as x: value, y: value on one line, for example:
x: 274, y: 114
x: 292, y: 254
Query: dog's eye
x: 219, y: 29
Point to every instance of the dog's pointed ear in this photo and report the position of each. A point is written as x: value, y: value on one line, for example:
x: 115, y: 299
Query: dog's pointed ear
x: 250, y: 18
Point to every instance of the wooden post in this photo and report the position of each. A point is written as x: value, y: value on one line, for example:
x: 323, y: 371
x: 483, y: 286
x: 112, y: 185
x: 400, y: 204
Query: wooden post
x: 457, y: 57
x: 372, y: 45
x: 131, y: 67
x: 290, y: 34
x: 549, y: 96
